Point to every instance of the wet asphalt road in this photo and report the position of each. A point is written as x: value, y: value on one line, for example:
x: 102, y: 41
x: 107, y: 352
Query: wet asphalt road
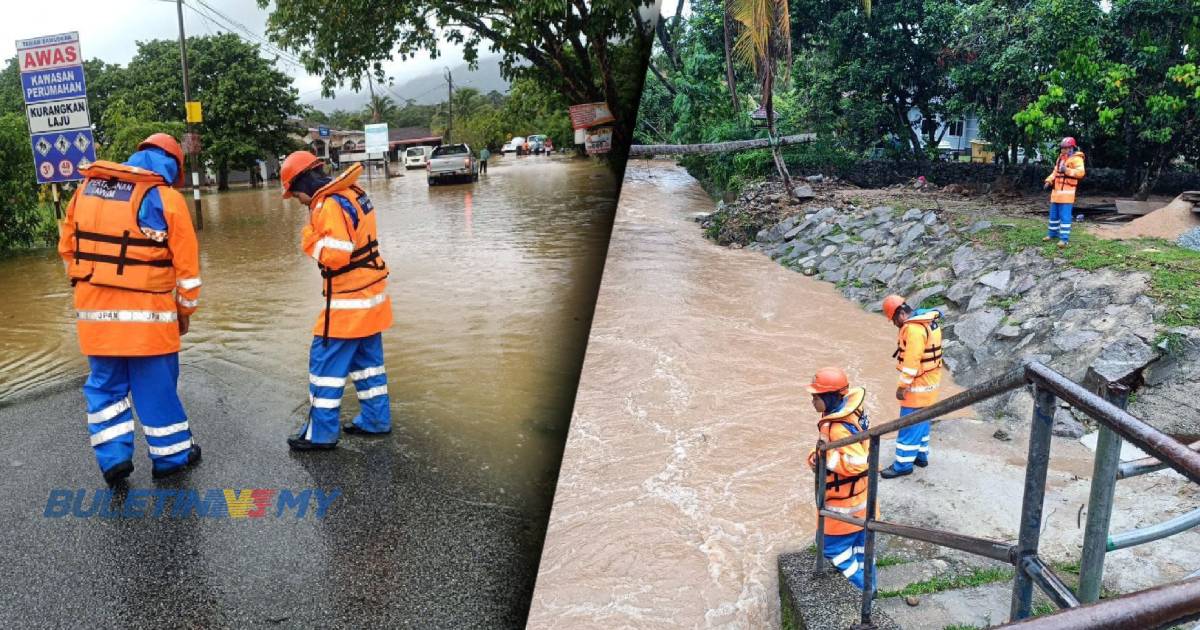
x: 405, y: 545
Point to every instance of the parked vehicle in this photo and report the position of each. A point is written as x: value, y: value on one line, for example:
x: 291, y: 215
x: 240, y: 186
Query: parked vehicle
x: 417, y: 157
x: 537, y: 144
x: 452, y: 161
x: 516, y: 146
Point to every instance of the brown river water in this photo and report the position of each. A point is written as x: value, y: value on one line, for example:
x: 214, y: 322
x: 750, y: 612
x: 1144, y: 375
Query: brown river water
x: 684, y: 473
x: 492, y: 285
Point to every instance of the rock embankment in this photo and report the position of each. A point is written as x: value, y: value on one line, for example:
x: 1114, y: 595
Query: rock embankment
x: 1001, y: 307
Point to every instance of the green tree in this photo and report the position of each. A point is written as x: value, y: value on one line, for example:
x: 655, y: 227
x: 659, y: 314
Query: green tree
x: 128, y: 125
x: 584, y: 50
x: 24, y: 222
x: 1131, y: 86
x: 247, y: 102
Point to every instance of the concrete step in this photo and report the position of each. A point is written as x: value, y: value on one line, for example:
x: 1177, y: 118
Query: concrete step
x: 979, y: 606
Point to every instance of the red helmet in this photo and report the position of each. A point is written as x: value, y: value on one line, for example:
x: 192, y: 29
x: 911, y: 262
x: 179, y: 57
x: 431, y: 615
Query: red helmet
x: 891, y: 304
x: 830, y: 379
x: 1068, y: 143
x: 294, y: 164
x: 168, y: 143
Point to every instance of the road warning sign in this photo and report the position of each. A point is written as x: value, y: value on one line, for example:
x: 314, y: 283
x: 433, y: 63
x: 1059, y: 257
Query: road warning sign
x: 55, y: 92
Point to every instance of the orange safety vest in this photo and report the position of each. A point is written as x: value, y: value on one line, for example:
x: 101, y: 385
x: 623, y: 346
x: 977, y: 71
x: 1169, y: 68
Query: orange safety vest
x: 922, y: 376
x: 110, y: 249
x: 1064, y: 184
x: 124, y: 280
x: 846, y: 467
x: 341, y: 236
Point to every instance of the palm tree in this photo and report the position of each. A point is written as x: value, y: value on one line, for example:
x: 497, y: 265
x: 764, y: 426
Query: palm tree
x: 764, y: 35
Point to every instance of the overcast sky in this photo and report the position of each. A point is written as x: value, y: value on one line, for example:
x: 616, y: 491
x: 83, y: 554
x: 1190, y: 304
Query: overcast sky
x: 109, y: 29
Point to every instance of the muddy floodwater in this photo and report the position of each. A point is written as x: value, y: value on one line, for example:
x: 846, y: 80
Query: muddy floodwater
x: 492, y: 285
x: 684, y: 474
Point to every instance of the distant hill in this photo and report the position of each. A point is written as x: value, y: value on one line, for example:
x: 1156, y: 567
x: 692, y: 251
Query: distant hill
x: 426, y: 89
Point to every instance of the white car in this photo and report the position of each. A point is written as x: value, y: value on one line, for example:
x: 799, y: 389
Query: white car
x: 417, y: 157
x: 516, y: 146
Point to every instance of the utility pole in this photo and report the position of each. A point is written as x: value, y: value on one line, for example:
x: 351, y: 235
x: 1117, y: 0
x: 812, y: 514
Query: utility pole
x: 450, y: 104
x: 191, y: 138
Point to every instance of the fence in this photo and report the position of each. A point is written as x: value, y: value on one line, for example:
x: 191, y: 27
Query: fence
x: 1151, y: 608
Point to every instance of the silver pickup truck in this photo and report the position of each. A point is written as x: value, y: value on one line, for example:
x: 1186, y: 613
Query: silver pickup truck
x: 452, y: 161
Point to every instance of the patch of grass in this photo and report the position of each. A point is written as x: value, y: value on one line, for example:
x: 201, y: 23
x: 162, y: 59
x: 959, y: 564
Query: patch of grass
x: 1005, y: 302
x: 978, y: 577
x: 1174, y: 271
x: 961, y: 626
x: 1043, y: 608
x: 937, y: 299
x: 888, y: 560
x: 1173, y: 342
x: 1066, y: 567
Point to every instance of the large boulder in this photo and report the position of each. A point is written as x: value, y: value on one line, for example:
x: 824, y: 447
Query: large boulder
x: 975, y: 329
x: 1170, y: 399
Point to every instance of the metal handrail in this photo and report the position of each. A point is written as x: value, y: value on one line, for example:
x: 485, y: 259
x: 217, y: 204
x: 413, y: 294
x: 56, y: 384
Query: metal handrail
x: 1146, y: 465
x: 1049, y: 386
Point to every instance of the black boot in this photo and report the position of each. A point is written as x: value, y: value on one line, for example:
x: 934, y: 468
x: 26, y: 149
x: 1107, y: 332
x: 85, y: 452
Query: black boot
x: 891, y: 473
x: 192, y: 459
x: 118, y: 473
x: 353, y: 429
x: 298, y: 443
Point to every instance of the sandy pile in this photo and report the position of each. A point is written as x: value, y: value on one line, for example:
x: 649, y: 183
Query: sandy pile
x: 1168, y: 222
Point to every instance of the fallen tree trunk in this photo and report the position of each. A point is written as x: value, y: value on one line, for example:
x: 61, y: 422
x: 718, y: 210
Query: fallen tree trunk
x: 717, y: 147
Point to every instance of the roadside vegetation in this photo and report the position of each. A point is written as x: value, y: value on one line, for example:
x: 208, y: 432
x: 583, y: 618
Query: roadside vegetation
x: 976, y: 577
x: 1122, y: 77
x: 1174, y: 271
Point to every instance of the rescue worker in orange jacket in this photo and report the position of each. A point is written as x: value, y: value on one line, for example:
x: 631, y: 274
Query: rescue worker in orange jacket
x: 348, y: 337
x: 133, y: 260
x: 843, y: 413
x: 1062, y: 181
x: 919, y: 360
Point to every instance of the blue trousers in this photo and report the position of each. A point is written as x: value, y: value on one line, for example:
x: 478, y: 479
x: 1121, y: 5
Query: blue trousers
x: 1060, y: 221
x: 116, y: 387
x: 846, y: 553
x: 329, y: 364
x: 912, y: 444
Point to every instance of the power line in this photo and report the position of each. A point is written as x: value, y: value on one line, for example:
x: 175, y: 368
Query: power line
x: 246, y: 34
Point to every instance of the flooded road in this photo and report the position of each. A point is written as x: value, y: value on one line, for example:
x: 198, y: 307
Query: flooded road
x: 492, y: 286
x: 684, y: 474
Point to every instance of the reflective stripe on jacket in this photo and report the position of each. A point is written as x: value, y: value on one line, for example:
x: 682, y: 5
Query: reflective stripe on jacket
x: 1064, y: 184
x: 129, y: 287
x: 919, y: 359
x: 341, y: 237
x: 846, y: 466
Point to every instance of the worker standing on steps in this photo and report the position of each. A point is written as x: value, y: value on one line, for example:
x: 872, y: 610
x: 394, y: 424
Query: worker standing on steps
x: 919, y: 360
x: 843, y: 413
x: 133, y: 260
x: 1062, y: 181
x: 348, y: 337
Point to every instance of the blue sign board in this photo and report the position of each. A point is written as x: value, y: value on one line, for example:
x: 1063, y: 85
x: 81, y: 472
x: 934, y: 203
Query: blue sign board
x: 55, y: 94
x: 55, y: 84
x: 323, y: 131
x: 58, y: 156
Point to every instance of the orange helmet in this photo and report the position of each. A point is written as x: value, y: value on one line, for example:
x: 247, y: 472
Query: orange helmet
x: 168, y: 143
x: 830, y: 379
x: 891, y: 304
x: 1067, y: 143
x: 294, y: 164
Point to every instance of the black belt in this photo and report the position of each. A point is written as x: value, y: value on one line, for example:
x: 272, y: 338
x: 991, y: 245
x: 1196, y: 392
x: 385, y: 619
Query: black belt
x: 369, y: 253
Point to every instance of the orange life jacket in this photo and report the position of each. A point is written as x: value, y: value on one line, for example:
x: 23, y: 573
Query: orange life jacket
x: 1064, y: 184
x: 110, y: 249
x: 853, y: 416
x: 931, y: 358
x: 366, y: 267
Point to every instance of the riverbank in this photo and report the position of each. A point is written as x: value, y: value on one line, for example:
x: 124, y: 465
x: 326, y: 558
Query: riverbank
x: 684, y: 478
x: 1007, y: 295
